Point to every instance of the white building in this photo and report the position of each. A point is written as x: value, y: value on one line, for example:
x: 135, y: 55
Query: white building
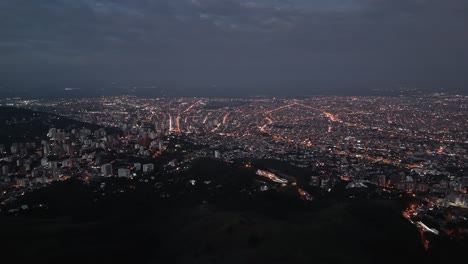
x: 106, y: 169
x: 148, y: 167
x: 14, y: 149
x: 5, y: 170
x: 66, y: 163
x: 123, y: 172
x: 137, y: 166
x: 53, y: 164
x: 173, y: 163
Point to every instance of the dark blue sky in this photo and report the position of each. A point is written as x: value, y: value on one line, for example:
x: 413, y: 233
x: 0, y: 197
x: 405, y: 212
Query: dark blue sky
x: 233, y: 47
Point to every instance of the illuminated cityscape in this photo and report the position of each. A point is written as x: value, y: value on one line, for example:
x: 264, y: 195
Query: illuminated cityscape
x: 234, y: 131
x: 410, y: 146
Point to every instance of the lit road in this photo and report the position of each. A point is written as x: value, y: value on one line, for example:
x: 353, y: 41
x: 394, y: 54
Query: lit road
x: 226, y: 117
x: 179, y: 129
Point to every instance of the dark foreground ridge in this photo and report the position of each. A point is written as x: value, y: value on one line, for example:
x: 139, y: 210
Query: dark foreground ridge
x: 219, y: 222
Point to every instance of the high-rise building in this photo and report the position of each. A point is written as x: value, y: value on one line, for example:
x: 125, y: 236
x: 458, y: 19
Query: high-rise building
x: 382, y: 181
x: 123, y: 172
x: 324, y: 183
x: 137, y: 166
x: 46, y: 149
x: 52, y: 133
x: 148, y: 167
x: 464, y: 181
x: 160, y: 144
x: 217, y: 154
x: 5, y: 170
x: 14, y: 148
x: 173, y: 163
x: 315, y: 181
x: 67, y: 162
x: 66, y: 148
x: 106, y: 169
x: 53, y: 164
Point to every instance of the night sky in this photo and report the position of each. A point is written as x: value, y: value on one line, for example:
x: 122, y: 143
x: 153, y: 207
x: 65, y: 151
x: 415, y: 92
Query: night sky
x: 232, y: 47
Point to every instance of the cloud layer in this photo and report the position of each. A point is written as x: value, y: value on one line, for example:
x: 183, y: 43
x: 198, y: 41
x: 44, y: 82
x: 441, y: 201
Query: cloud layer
x: 304, y: 44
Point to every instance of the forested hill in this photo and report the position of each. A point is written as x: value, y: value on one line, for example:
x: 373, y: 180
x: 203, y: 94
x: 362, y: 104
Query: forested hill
x: 23, y: 125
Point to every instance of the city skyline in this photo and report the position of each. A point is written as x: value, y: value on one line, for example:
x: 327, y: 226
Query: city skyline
x: 355, y: 170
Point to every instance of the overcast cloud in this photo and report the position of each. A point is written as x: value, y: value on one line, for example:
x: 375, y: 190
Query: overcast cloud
x: 256, y: 46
